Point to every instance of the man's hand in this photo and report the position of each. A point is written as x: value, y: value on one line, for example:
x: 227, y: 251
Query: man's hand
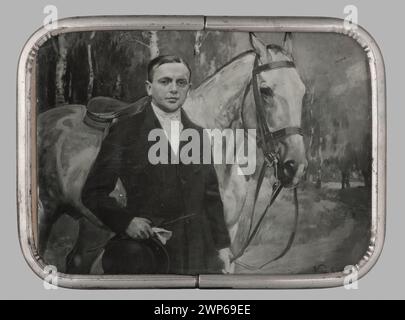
x: 225, y: 255
x: 140, y: 228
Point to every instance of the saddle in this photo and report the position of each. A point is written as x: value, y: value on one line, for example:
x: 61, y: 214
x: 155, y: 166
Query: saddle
x: 103, y: 111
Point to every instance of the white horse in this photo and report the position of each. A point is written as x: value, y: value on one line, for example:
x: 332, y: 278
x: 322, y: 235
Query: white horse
x: 223, y: 100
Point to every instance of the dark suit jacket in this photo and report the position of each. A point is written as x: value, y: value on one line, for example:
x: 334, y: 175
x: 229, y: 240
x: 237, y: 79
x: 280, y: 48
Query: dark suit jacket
x: 161, y: 193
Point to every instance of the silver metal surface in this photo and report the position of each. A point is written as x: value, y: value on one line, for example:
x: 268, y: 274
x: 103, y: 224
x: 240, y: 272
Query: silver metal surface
x: 26, y: 148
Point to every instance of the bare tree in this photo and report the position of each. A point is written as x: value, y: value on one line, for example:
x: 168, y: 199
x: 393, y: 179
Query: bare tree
x: 153, y: 40
x: 200, y: 36
x: 91, y: 69
x: 61, y: 66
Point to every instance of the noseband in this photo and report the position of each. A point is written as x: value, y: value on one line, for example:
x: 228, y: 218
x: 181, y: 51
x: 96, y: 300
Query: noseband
x: 267, y: 141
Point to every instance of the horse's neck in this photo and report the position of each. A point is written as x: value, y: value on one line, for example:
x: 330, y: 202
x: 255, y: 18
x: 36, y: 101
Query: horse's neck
x: 217, y: 101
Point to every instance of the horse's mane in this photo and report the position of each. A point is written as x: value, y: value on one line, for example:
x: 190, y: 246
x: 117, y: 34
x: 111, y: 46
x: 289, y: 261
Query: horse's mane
x: 274, y: 47
x: 224, y: 66
x: 219, y: 114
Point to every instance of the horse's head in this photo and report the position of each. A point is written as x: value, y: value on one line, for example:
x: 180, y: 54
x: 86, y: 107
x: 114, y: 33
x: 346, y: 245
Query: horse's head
x: 279, y: 94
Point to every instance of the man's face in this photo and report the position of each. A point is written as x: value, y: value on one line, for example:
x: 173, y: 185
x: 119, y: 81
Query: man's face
x: 169, y: 86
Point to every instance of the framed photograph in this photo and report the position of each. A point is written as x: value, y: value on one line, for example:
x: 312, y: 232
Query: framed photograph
x: 209, y: 152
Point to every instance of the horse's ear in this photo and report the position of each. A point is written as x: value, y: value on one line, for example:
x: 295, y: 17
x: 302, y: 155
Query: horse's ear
x: 258, y: 45
x: 288, y: 43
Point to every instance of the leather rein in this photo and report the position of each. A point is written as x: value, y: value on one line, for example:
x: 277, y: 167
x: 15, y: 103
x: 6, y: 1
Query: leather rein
x: 267, y: 141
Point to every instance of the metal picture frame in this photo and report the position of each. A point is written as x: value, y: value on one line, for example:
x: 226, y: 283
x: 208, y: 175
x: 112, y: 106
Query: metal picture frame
x: 26, y: 148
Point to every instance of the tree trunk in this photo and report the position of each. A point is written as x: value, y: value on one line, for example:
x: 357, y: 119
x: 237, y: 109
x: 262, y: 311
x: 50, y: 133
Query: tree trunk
x: 153, y: 44
x: 91, y: 69
x: 61, y: 66
x: 199, y: 39
x: 118, y: 87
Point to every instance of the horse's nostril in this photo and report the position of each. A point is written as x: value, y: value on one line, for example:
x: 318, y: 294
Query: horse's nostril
x: 290, y: 168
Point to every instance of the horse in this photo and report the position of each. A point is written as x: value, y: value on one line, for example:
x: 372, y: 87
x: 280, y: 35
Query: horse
x: 69, y: 139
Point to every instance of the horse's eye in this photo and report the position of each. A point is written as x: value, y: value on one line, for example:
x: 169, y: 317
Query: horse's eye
x: 266, y: 91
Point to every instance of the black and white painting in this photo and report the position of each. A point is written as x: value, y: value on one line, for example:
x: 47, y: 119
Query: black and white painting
x: 192, y: 152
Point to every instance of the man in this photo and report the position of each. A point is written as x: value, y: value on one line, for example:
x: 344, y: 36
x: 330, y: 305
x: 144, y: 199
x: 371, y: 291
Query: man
x: 180, y: 200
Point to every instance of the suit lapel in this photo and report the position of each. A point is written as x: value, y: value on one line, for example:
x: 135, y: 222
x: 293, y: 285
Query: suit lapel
x: 190, y: 173
x: 150, y: 123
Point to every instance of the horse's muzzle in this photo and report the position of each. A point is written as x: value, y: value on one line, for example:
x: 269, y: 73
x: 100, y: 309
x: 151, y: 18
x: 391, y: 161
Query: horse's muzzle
x: 291, y: 172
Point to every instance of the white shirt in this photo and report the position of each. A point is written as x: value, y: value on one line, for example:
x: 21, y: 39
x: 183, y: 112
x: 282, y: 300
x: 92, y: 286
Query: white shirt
x: 171, y: 124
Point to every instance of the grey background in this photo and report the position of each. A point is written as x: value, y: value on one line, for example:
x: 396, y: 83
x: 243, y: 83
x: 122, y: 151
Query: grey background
x: 382, y: 19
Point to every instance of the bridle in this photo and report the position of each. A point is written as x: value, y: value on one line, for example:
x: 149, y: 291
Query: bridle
x: 267, y: 141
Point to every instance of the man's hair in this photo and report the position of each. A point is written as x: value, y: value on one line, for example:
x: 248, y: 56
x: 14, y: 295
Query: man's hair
x: 158, y: 61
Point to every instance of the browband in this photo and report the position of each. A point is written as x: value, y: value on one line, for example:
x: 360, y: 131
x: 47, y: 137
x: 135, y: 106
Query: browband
x: 272, y: 66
